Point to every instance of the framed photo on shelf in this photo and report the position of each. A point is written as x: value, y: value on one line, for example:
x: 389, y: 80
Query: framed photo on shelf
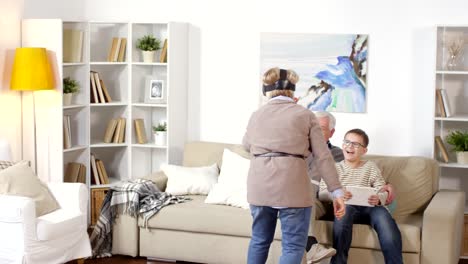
x: 155, y: 91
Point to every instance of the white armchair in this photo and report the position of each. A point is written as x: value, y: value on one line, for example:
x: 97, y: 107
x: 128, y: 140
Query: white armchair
x: 53, y: 238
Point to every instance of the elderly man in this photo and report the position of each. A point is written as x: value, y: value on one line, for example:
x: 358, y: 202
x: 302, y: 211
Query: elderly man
x: 316, y: 251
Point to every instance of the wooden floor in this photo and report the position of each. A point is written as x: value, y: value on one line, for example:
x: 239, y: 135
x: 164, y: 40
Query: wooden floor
x: 118, y: 259
x: 130, y: 260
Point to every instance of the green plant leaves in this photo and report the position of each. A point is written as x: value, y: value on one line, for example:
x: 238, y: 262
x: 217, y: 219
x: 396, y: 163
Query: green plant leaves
x: 458, y: 139
x: 148, y: 43
x: 70, y: 85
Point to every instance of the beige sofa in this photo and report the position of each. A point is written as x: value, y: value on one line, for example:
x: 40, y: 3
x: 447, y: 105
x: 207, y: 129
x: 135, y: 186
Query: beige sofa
x: 430, y: 220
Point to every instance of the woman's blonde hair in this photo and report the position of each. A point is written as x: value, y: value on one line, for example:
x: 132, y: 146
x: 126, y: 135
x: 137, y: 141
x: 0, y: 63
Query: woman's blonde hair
x: 272, y: 75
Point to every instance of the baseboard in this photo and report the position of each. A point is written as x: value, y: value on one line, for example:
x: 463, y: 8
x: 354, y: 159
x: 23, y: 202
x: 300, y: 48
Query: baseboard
x: 160, y: 259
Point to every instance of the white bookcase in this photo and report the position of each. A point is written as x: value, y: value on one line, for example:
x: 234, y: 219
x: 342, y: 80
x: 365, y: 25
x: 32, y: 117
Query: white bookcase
x: 127, y: 84
x: 454, y: 80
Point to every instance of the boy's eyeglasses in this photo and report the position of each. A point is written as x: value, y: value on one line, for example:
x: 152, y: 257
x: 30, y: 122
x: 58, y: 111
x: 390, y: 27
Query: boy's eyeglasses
x: 349, y: 143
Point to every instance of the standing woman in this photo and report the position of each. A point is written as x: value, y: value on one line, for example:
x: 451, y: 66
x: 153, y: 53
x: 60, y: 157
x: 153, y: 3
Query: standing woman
x: 280, y: 135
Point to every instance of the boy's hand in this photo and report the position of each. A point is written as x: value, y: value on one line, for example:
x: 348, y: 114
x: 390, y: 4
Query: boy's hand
x: 373, y: 200
x: 339, y: 207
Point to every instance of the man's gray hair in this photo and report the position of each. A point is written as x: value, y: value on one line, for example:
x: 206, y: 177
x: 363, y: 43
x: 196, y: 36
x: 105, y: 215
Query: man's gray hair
x: 331, y: 118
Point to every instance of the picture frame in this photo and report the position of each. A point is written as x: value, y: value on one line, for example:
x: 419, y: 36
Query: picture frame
x: 155, y: 91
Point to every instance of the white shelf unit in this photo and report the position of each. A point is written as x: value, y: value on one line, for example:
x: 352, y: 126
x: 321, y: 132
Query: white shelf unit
x: 455, y: 82
x: 127, y: 84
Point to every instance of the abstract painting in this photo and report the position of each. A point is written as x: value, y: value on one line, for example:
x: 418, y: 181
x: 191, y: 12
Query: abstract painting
x: 332, y: 68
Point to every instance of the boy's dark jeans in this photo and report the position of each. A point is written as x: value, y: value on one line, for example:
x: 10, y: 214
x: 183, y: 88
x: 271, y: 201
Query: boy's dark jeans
x: 380, y: 219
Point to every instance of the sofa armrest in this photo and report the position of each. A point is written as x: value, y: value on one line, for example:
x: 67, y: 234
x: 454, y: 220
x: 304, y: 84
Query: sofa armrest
x: 70, y: 196
x: 442, y: 228
x: 18, y: 210
x: 159, y: 179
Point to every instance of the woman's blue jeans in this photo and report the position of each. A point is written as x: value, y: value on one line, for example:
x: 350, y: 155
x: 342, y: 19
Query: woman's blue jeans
x: 294, y: 227
x: 381, y: 221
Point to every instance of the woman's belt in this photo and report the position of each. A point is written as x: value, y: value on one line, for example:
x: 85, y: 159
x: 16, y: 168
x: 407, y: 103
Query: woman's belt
x: 278, y: 154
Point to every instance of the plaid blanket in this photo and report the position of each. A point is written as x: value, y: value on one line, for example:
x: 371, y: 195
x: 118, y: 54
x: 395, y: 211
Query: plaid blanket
x: 136, y: 198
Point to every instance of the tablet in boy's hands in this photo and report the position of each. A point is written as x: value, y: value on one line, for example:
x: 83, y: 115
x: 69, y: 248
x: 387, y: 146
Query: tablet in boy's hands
x: 360, y: 195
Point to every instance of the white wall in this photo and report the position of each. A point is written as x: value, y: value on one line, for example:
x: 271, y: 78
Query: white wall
x: 11, y: 12
x: 225, y: 40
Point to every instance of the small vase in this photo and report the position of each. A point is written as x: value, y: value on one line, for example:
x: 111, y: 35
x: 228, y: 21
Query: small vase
x: 160, y: 138
x: 67, y: 99
x: 462, y: 157
x: 148, y: 56
x: 452, y: 63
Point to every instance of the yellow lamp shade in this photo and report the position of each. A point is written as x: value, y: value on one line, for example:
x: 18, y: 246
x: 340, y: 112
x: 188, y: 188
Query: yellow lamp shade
x: 31, y: 70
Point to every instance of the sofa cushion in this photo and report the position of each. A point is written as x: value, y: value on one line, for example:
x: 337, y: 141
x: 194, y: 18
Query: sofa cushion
x: 197, y: 216
x: 190, y: 180
x: 231, y: 188
x: 20, y: 180
x: 211, y: 153
x: 364, y: 236
x: 415, y: 180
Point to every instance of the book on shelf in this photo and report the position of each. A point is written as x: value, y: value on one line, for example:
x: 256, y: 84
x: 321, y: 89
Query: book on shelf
x: 442, y: 149
x: 67, y: 142
x: 94, y: 93
x: 122, y: 49
x: 72, y: 172
x: 122, y: 131
x: 82, y: 174
x: 440, y: 103
x: 102, y: 172
x: 72, y: 45
x: 114, y: 50
x: 163, y: 55
x: 101, y: 97
x: 115, y: 139
x: 448, y: 111
x: 110, y: 130
x: 140, y: 131
x: 94, y: 170
x: 106, y: 92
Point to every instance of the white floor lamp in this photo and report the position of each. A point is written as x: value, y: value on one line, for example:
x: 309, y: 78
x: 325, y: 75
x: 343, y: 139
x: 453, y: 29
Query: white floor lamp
x: 32, y: 72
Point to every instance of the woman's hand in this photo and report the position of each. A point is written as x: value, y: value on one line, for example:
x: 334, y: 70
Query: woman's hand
x: 347, y: 195
x: 339, y: 207
x: 373, y: 200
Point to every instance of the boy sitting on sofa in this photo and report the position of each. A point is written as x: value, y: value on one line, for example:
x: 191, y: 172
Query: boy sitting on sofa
x: 354, y: 171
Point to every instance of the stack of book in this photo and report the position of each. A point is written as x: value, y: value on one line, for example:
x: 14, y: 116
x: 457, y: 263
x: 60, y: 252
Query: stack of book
x: 98, y: 171
x: 117, y: 50
x: 99, y: 92
x: 115, y: 131
x: 75, y: 172
x: 67, y: 142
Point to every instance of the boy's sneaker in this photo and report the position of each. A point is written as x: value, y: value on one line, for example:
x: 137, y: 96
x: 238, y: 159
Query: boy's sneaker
x: 318, y: 253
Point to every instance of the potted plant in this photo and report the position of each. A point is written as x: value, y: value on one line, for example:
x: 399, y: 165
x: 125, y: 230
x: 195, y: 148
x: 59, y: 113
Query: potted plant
x: 70, y: 86
x: 160, y: 134
x: 459, y: 140
x: 148, y: 44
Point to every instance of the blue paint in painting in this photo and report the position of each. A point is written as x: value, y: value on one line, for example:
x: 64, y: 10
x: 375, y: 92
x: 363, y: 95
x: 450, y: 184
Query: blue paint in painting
x: 342, y: 76
x: 318, y: 58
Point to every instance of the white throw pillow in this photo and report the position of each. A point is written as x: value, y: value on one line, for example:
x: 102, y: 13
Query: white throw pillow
x: 231, y: 188
x: 190, y: 180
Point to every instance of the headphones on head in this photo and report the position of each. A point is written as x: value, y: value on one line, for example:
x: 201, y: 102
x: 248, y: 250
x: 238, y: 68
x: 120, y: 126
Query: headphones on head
x: 281, y: 84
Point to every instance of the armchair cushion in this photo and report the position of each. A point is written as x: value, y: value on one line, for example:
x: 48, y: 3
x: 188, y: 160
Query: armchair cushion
x: 62, y: 221
x: 20, y: 180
